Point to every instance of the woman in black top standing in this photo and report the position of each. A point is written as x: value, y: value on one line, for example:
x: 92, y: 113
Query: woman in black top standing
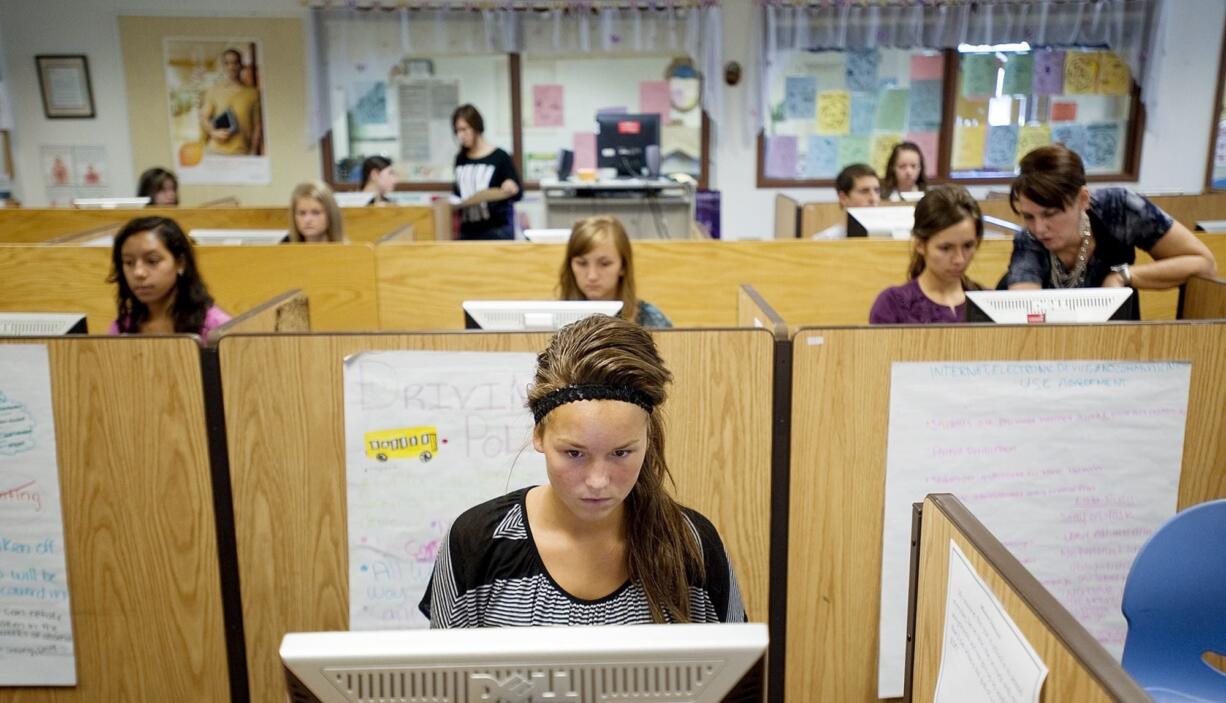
x: 485, y: 180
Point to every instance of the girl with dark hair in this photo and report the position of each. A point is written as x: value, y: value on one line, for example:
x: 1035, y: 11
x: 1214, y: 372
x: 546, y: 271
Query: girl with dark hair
x: 160, y: 186
x: 486, y: 182
x: 378, y: 177
x: 599, y: 265
x: 1077, y: 239
x: 602, y: 543
x: 905, y: 172
x: 947, y: 232
x: 160, y: 289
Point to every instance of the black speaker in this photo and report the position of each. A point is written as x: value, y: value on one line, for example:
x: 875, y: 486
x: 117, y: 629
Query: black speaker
x: 566, y: 161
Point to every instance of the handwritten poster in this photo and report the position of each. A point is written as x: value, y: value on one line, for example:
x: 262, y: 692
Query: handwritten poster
x: 1002, y: 147
x: 1063, y: 111
x: 927, y: 67
x: 1114, y: 76
x: 1102, y: 144
x: 883, y: 143
x: 968, y: 147
x: 1080, y: 72
x: 1031, y: 137
x: 1019, y: 74
x: 1071, y: 464
x: 821, y: 159
x: 984, y: 655
x: 853, y: 150
x: 547, y: 105
x: 833, y: 112
x: 862, y: 69
x: 978, y: 75
x: 1072, y: 136
x: 781, y: 156
x: 892, y: 109
x: 800, y: 97
x: 863, y: 112
x: 925, y: 105
x: 1048, y: 72
x: 427, y: 436
x: 657, y: 97
x: 36, y: 645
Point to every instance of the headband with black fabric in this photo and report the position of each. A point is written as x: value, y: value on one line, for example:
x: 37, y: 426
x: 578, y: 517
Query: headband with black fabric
x: 570, y: 394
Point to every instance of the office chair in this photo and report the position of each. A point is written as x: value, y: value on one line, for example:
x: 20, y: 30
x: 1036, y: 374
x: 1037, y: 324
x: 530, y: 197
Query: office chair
x: 1175, y: 604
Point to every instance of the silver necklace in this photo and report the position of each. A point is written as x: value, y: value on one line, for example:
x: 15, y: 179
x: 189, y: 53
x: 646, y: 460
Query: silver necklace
x: 1061, y: 278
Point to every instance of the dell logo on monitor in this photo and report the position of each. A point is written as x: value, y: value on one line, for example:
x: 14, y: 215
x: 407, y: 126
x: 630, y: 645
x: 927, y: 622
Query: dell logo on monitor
x: 538, y: 686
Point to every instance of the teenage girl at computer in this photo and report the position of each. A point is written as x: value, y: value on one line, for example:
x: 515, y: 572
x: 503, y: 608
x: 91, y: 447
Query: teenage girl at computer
x: 314, y: 215
x: 947, y: 232
x: 603, y: 543
x: 1078, y: 239
x: 160, y: 288
x: 599, y: 265
x: 904, y: 172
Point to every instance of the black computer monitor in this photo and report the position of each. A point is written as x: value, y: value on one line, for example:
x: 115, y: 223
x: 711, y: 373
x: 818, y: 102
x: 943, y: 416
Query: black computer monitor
x: 622, y: 142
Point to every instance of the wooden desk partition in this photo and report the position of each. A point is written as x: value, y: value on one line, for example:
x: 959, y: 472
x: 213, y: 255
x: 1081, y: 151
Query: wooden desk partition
x: 288, y: 312
x: 840, y: 416
x: 752, y: 310
x: 1079, y: 669
x: 289, y: 492
x: 787, y: 217
x: 139, y: 531
x: 1204, y: 298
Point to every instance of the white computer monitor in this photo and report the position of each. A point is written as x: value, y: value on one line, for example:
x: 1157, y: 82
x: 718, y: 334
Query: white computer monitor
x: 1053, y: 305
x: 214, y: 237
x: 109, y: 203
x: 41, y: 324
x: 911, y: 196
x: 893, y: 221
x: 547, y: 236
x: 644, y: 663
x: 353, y: 198
x: 521, y: 315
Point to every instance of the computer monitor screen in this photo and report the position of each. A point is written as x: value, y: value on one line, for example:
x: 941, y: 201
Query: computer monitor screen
x: 893, y: 221
x: 109, y: 203
x: 354, y: 198
x: 41, y: 324
x: 643, y: 663
x: 234, y: 237
x: 547, y: 236
x: 1043, y: 306
x: 622, y: 141
x: 521, y: 315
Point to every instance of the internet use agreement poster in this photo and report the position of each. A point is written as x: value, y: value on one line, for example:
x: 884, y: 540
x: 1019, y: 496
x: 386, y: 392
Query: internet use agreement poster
x: 1071, y: 464
x: 36, y: 647
x: 427, y: 436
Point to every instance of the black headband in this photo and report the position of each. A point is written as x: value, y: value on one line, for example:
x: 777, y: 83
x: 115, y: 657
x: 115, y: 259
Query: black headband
x: 570, y: 394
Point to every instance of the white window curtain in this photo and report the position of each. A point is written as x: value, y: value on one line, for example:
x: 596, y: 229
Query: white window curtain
x: 541, y: 27
x: 1127, y: 27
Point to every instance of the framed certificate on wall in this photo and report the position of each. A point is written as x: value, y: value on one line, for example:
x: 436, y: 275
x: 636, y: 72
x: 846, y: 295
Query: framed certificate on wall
x: 64, y: 83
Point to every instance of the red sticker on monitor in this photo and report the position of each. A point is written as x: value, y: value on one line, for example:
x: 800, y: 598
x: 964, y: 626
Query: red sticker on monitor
x: 628, y: 127
x: 1036, y: 317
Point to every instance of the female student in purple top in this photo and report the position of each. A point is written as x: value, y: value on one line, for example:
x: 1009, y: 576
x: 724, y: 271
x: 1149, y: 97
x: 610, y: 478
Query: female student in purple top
x: 160, y: 289
x: 947, y: 231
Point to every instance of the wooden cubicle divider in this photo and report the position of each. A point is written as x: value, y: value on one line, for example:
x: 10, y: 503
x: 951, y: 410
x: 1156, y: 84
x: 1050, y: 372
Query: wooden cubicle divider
x: 752, y: 310
x: 838, y: 458
x: 140, y: 538
x: 339, y: 280
x: 1203, y: 298
x: 89, y: 235
x: 787, y: 217
x: 228, y: 201
x: 1079, y: 668
x: 288, y: 312
x: 284, y: 410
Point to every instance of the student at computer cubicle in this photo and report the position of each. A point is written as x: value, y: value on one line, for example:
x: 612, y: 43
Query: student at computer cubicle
x: 160, y: 290
x: 603, y: 542
x: 1077, y: 239
x: 948, y: 230
x: 160, y: 186
x: 486, y: 181
x: 378, y: 178
x: 599, y: 265
x: 857, y: 186
x: 314, y: 215
x: 905, y: 172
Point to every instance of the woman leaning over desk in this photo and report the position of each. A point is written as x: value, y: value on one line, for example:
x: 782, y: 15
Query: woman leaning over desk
x: 1077, y: 239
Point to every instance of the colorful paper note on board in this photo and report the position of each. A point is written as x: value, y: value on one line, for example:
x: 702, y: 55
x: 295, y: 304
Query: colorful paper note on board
x: 585, y: 150
x: 1080, y: 72
x: 853, y: 150
x: 821, y: 158
x: 927, y: 142
x: 1102, y: 145
x: 882, y: 145
x: 863, y: 112
x: 978, y: 75
x: 1063, y: 111
x: 781, y: 156
x: 1031, y: 137
x: 862, y: 70
x: 1048, y: 72
x: 1002, y: 147
x: 892, y: 109
x: 927, y: 68
x: 833, y: 112
x: 547, y: 105
x: 1114, y: 76
x: 1019, y: 74
x: 1072, y: 136
x: 655, y: 96
x: 800, y: 97
x: 925, y: 105
x: 968, y: 147
x: 973, y: 110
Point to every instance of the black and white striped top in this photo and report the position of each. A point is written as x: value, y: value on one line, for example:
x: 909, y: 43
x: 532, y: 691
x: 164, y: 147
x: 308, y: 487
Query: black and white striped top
x: 489, y: 574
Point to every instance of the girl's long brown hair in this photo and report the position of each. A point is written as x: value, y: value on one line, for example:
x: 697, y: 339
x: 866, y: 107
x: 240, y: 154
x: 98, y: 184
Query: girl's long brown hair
x: 662, y: 552
x: 584, y: 237
x: 942, y: 207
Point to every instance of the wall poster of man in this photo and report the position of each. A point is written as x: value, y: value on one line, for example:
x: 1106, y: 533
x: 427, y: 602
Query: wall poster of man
x: 214, y: 90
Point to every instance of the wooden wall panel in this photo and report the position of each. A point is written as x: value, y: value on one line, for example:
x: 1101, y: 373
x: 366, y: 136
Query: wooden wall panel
x: 1205, y: 299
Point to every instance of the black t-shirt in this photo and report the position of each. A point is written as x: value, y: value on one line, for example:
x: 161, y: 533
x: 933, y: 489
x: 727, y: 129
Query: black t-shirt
x: 475, y: 175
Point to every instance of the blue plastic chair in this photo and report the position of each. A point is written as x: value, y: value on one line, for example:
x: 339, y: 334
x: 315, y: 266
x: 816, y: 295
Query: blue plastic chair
x: 1175, y: 604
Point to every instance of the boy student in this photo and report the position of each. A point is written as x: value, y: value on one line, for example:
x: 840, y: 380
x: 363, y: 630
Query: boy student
x: 857, y: 186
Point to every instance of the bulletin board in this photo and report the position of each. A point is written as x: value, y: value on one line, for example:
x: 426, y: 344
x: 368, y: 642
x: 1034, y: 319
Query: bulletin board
x: 829, y: 109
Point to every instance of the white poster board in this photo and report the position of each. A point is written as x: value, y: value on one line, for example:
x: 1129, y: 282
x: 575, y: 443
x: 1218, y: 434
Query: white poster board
x: 36, y: 645
x: 1071, y: 464
x: 427, y: 436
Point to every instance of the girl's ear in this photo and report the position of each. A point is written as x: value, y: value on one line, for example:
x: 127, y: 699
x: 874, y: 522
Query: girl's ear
x: 538, y: 442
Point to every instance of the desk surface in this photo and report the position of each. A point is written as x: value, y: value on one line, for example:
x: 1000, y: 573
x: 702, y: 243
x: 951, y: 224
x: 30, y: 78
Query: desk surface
x: 617, y: 184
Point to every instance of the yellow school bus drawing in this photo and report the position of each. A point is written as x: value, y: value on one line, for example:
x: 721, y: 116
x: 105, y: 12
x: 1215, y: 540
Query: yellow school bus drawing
x: 402, y: 443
